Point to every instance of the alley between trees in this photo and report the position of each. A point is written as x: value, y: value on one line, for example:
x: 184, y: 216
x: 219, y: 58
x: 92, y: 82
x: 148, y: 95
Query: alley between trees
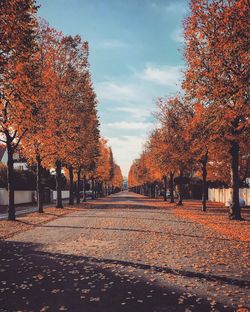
x: 123, y: 253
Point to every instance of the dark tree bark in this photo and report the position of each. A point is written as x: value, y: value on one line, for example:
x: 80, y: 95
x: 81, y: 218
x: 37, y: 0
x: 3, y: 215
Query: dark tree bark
x: 100, y: 189
x: 105, y: 189
x: 180, y: 186
x: 93, y: 188
x: 10, y: 178
x: 171, y: 187
x: 156, y: 190
x: 71, y: 185
x: 84, y: 188
x: 235, y: 211
x: 148, y: 190
x: 39, y: 187
x: 96, y: 189
x: 153, y: 190
x: 204, y: 182
x: 141, y: 189
x: 78, y: 189
x: 164, y: 188
x: 59, y: 184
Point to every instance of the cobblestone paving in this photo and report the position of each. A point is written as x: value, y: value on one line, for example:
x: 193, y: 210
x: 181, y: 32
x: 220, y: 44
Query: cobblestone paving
x: 123, y: 255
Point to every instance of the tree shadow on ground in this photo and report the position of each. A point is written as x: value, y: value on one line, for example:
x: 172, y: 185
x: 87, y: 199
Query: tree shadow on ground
x: 157, y: 204
x: 126, y: 217
x: 138, y: 231
x: 32, y: 280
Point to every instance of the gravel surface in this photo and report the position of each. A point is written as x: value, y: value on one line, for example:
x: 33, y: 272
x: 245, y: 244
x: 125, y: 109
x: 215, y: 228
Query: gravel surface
x: 123, y: 254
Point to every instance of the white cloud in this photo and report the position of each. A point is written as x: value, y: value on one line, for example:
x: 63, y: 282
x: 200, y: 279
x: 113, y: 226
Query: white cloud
x: 112, y: 44
x: 168, y: 75
x: 109, y: 90
x: 177, y: 35
x: 126, y: 149
x: 173, y: 7
x: 136, y: 112
x: 129, y: 125
x: 128, y: 103
x: 177, y: 7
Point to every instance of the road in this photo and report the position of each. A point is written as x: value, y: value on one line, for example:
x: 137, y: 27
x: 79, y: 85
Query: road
x: 123, y: 254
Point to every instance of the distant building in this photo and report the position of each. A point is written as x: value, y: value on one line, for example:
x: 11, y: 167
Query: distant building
x: 125, y: 184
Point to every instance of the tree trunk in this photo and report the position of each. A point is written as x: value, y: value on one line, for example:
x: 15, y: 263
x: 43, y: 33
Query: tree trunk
x: 10, y: 178
x: 93, y: 188
x: 180, y: 186
x: 204, y: 182
x: 84, y: 189
x: 235, y: 211
x: 78, y: 195
x: 164, y: 188
x: 59, y: 184
x: 99, y: 189
x: 71, y: 185
x: 153, y: 190
x: 171, y: 187
x: 39, y: 187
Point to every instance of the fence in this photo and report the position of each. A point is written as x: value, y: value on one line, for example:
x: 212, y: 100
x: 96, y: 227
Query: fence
x: 224, y: 195
x: 21, y: 197
x: 24, y: 197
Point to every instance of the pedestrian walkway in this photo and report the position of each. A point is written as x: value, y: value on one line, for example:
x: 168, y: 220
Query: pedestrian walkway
x: 117, y: 256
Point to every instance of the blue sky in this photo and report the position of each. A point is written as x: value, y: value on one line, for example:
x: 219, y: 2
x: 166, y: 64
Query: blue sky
x: 135, y: 57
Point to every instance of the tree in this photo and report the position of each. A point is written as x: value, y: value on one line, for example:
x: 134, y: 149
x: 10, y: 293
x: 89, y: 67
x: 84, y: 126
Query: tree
x: 174, y: 115
x: 201, y: 144
x: 217, y: 55
x: 17, y: 78
x: 104, y: 168
x: 161, y: 157
x: 36, y: 144
x: 117, y: 179
x: 65, y: 109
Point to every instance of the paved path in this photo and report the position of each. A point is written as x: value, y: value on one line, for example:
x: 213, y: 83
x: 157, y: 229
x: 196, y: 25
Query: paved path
x: 122, y: 254
x: 25, y: 208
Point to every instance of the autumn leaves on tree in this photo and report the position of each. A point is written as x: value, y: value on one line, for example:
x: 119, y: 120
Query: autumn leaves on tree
x: 17, y: 77
x: 48, y: 107
x: 48, y: 104
x: 208, y: 124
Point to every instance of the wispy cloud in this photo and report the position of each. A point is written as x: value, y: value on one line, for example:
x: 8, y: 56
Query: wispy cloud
x: 177, y: 7
x: 112, y: 44
x: 126, y: 149
x: 129, y: 125
x: 127, y: 103
x: 177, y: 35
x: 109, y: 90
x: 167, y: 75
x: 136, y: 112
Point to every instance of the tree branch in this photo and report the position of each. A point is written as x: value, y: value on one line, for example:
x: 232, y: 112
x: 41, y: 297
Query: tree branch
x: 19, y: 139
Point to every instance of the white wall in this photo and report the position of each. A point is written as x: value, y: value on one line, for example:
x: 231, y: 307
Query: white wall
x: 5, y: 158
x: 224, y: 195
x: 21, y: 197
x: 65, y: 194
x: 20, y: 166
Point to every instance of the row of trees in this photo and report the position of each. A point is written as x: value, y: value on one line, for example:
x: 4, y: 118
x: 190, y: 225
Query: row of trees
x: 206, y: 126
x: 47, y: 102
